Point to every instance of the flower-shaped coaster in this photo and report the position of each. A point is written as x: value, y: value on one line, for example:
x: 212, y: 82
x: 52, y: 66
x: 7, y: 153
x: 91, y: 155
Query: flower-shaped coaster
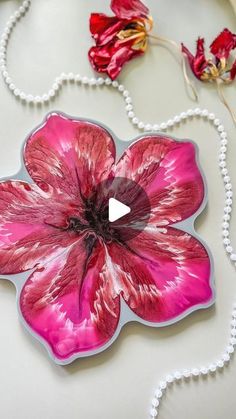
x: 80, y: 277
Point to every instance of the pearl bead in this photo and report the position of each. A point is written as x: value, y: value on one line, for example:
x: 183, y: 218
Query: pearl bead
x: 140, y: 125
x: 125, y: 93
x: 204, y: 370
x: 153, y: 413
x: 163, y: 126
x: 232, y: 341
x: 155, y: 402
x: 163, y: 385
x: 45, y: 98
x: 63, y: 77
x: 177, y: 375
x: 169, y: 378
x: 170, y: 123
x: 183, y: 115
x: 121, y: 88
x: 197, y: 111
x: 224, y: 142
x: 156, y: 127
x: 176, y: 119
x: 22, y: 10
x: 190, y: 112
x: 233, y: 257
x: 220, y: 364
x: 225, y: 224
x: 55, y: 86
x: 220, y: 128
x: 58, y: 80
x: 51, y: 93
x: 85, y: 80
x: 216, y: 122
x: 22, y: 96
x: 115, y: 84
x: 230, y: 349
x: 229, y: 249
x: 211, y: 116
x: 186, y: 373
x: 226, y: 357
x: 108, y: 81
x: 29, y: 98
x: 38, y: 100
x: 158, y: 394
x: 129, y: 107
x: 205, y: 113
x: 17, y: 92
x: 195, y: 372
x: 222, y: 156
x: 128, y: 100
x: 225, y: 233
x: 100, y: 81
x: 148, y: 127
x: 212, y: 368
x: 135, y: 121
x: 71, y: 77
x: 131, y: 114
x: 92, y: 81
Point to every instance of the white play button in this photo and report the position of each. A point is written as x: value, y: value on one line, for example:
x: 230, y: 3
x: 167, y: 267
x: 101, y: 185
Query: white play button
x: 117, y: 210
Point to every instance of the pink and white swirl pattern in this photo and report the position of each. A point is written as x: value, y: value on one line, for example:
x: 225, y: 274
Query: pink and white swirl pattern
x: 72, y: 297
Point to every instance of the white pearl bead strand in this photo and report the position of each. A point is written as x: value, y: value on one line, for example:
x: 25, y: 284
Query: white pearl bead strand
x: 226, y: 357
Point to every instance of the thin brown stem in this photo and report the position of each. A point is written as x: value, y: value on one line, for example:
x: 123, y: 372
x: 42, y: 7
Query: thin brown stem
x: 223, y: 99
x: 174, y: 44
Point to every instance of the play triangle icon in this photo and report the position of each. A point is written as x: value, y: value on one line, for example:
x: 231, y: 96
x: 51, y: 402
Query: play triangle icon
x: 117, y: 210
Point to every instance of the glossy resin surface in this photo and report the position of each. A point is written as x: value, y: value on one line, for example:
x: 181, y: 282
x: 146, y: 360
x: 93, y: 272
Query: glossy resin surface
x: 79, y: 279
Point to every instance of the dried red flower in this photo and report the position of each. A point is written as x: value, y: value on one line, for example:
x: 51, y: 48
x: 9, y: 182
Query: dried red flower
x: 219, y: 66
x: 119, y: 38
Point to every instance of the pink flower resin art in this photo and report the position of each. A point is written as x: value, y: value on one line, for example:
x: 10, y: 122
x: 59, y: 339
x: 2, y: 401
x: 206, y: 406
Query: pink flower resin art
x: 80, y: 278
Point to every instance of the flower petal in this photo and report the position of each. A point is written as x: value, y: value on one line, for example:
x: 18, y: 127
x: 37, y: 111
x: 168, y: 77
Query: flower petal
x: 71, y: 156
x: 163, y: 274
x: 70, y: 302
x: 104, y: 28
x: 30, y: 226
x: 111, y: 58
x: 167, y: 171
x: 129, y: 9
x: 198, y: 63
x: 233, y: 71
x: 223, y: 44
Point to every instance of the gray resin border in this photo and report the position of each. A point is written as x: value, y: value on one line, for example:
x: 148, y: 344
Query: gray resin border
x: 126, y: 315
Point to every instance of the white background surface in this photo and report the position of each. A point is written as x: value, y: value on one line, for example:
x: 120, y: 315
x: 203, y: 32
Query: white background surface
x: 118, y: 383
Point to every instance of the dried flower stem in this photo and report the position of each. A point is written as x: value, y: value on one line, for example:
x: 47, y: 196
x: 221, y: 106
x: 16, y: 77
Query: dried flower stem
x: 223, y: 99
x: 174, y: 44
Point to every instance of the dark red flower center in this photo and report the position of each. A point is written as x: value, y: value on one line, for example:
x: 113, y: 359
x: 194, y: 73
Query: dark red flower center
x: 96, y: 220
